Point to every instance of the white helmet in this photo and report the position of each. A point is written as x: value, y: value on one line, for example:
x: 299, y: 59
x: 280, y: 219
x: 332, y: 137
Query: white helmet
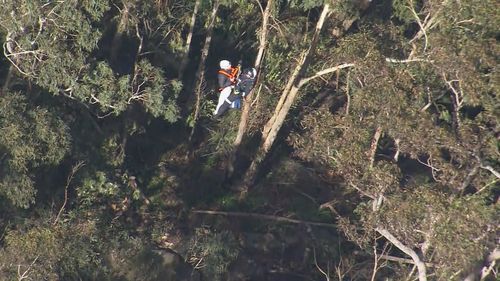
x: 225, y: 64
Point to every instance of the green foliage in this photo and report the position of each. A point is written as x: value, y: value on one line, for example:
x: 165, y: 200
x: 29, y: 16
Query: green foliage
x: 459, y: 231
x: 58, y: 46
x: 31, y: 137
x: 402, y: 9
x: 108, y: 64
x: 95, y: 189
x: 130, y: 258
x: 307, y: 4
x: 45, y: 252
x: 115, y: 190
x: 216, y: 250
x: 19, y: 188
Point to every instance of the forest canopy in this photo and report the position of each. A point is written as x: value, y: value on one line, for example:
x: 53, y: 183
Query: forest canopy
x: 365, y: 148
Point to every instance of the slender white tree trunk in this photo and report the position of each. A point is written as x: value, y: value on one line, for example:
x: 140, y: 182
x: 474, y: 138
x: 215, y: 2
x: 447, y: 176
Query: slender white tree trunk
x: 258, y: 60
x: 284, y: 95
x: 287, y: 98
x: 245, y: 111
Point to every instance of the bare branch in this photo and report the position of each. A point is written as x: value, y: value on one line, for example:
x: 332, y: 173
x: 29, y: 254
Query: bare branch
x: 396, y: 155
x: 323, y: 72
x: 403, y: 260
x: 492, y: 259
x: 11, y: 61
x: 489, y: 266
x: 376, y: 259
x: 248, y: 104
x: 24, y: 275
x: 429, y: 164
x: 373, y: 146
x: 391, y: 60
x: 262, y: 216
x: 419, y: 22
x: 327, y: 274
x: 486, y: 167
x: 363, y: 192
x: 422, y: 270
x: 486, y: 185
x: 348, y: 103
x: 492, y: 170
x: 187, y: 46
x: 257, y: 96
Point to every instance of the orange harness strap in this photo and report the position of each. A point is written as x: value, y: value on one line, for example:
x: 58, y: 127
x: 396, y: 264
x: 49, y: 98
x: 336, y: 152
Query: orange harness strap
x: 231, y: 75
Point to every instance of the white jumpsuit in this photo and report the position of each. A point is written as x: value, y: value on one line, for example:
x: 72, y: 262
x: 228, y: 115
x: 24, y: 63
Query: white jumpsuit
x: 224, y: 94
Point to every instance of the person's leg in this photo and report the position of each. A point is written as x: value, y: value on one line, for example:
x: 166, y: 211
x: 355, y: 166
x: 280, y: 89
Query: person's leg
x: 235, y: 104
x: 233, y: 97
x: 224, y: 94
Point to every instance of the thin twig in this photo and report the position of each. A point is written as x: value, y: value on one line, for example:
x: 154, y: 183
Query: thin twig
x: 407, y: 60
x: 484, y: 187
x: 24, y: 275
x: 422, y: 28
x: 327, y: 274
x: 348, y: 103
x: 68, y: 181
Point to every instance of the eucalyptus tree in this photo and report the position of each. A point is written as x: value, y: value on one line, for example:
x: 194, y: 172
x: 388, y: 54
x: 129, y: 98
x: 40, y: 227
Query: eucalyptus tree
x: 32, y: 137
x: 247, y: 105
x: 416, y: 137
x: 295, y: 82
x: 55, y: 45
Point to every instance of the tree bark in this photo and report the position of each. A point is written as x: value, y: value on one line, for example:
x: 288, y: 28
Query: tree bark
x: 287, y: 98
x: 187, y: 47
x: 277, y: 123
x: 200, y: 74
x: 258, y: 60
x: 373, y: 146
x: 284, y: 95
x: 403, y: 260
x: 247, y: 105
x: 422, y: 270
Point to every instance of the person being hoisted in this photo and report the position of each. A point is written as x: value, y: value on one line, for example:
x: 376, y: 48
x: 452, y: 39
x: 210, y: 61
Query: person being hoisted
x: 227, y: 78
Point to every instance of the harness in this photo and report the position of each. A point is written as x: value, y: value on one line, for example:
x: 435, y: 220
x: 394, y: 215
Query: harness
x: 232, y: 74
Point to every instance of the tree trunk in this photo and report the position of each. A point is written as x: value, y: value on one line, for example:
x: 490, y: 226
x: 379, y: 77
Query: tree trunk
x: 200, y: 74
x: 8, y: 78
x: 284, y: 95
x: 247, y: 105
x: 245, y: 112
x: 187, y: 47
x: 287, y: 98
